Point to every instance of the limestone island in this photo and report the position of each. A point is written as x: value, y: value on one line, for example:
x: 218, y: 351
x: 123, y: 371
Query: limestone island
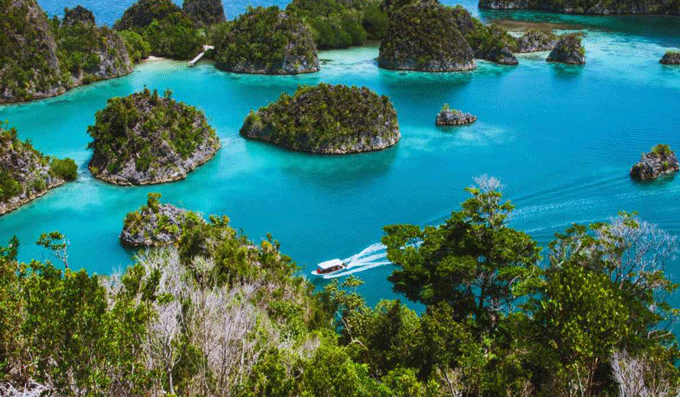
x: 327, y: 119
x: 266, y: 41
x: 163, y: 29
x: 487, y: 42
x: 448, y: 117
x: 568, y: 50
x: 423, y: 36
x: 155, y: 224
x: 42, y: 58
x: 205, y: 12
x: 671, y: 58
x: 589, y: 7
x: 660, y: 161
x: 535, y: 40
x: 26, y: 174
x: 144, y: 139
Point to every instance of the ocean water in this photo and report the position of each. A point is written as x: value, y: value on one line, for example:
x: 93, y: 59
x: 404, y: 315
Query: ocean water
x: 561, y: 138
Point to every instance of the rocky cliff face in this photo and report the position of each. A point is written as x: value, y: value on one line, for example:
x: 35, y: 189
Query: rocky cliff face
x: 424, y: 36
x: 568, y: 50
x: 267, y: 41
x: 535, y: 40
x: 26, y: 174
x: 205, y: 12
x: 449, y: 117
x: 659, y: 161
x: 487, y: 42
x: 671, y: 58
x: 146, y: 139
x: 41, y: 59
x: 593, y: 7
x: 326, y: 119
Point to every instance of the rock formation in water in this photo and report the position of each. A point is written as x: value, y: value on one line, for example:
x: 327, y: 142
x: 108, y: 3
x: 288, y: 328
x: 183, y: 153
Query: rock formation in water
x: 40, y: 59
x: 447, y: 117
x: 155, y: 224
x: 593, y: 7
x: 205, y: 12
x: 328, y: 119
x: 26, y: 174
x: 142, y: 13
x: 423, y: 36
x: 659, y: 161
x: 487, y: 42
x: 266, y: 41
x: 671, y: 58
x: 535, y: 40
x: 145, y: 139
x: 568, y: 50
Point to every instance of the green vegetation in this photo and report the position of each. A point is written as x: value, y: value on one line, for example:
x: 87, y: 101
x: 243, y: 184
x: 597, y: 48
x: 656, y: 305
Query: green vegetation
x: 25, y: 172
x: 44, y: 58
x: 148, y: 130
x: 326, y: 119
x: 424, y: 36
x: 137, y: 47
x: 592, y: 322
x: 205, y: 12
x: 267, y: 41
x: 169, y: 31
x: 661, y: 150
x: 605, y: 7
x: 340, y: 24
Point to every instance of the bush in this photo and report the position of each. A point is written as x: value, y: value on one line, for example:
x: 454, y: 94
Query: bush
x: 137, y: 47
x: 65, y: 169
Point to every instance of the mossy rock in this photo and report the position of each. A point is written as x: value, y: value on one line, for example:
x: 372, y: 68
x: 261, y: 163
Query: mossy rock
x: 568, y: 50
x: 423, y: 36
x: 266, y: 41
x: 671, y: 58
x: 328, y: 119
x: 144, y: 12
x: 661, y: 160
x: 205, y: 12
x: 146, y: 139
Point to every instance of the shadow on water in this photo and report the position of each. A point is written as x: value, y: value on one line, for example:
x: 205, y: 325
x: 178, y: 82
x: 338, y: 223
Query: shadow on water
x: 566, y: 72
x: 328, y: 172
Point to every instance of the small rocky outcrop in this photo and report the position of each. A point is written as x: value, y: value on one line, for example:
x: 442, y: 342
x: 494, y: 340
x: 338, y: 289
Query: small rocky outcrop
x: 327, y: 119
x: 154, y: 224
x: 145, y: 139
x: 590, y: 7
x: 535, y: 40
x: 568, y: 50
x: 659, y: 161
x: 448, y: 117
x: 205, y: 12
x: 671, y: 58
x: 26, y: 174
x: 267, y: 41
x: 423, y: 36
x: 41, y: 59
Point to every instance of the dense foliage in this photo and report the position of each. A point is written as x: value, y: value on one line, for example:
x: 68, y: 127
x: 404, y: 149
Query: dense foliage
x: 590, y: 6
x: 25, y: 172
x: 205, y: 12
x: 155, y: 224
x: 148, y: 133
x: 137, y: 47
x: 167, y: 29
x: 487, y: 42
x: 340, y: 24
x: 265, y: 40
x: 326, y: 119
x: 424, y: 36
x: 41, y: 58
x: 220, y: 316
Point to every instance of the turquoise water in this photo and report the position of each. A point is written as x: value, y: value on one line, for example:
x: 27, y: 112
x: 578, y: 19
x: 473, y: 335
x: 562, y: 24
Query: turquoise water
x: 561, y: 138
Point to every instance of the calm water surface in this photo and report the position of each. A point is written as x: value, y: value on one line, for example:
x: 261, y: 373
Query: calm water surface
x: 561, y: 138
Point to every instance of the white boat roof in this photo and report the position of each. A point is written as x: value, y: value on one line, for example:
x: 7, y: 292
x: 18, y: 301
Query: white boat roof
x: 329, y: 264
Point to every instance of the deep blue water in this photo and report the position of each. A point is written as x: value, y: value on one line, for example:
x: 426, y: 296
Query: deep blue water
x: 561, y: 138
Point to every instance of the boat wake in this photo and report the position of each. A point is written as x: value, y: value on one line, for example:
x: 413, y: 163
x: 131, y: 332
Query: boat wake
x: 370, y: 257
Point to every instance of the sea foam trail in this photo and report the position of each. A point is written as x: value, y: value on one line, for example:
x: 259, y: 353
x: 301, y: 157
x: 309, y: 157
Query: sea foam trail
x: 370, y: 257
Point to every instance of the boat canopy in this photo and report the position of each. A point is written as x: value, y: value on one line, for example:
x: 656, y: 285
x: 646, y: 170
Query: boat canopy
x: 330, y: 264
